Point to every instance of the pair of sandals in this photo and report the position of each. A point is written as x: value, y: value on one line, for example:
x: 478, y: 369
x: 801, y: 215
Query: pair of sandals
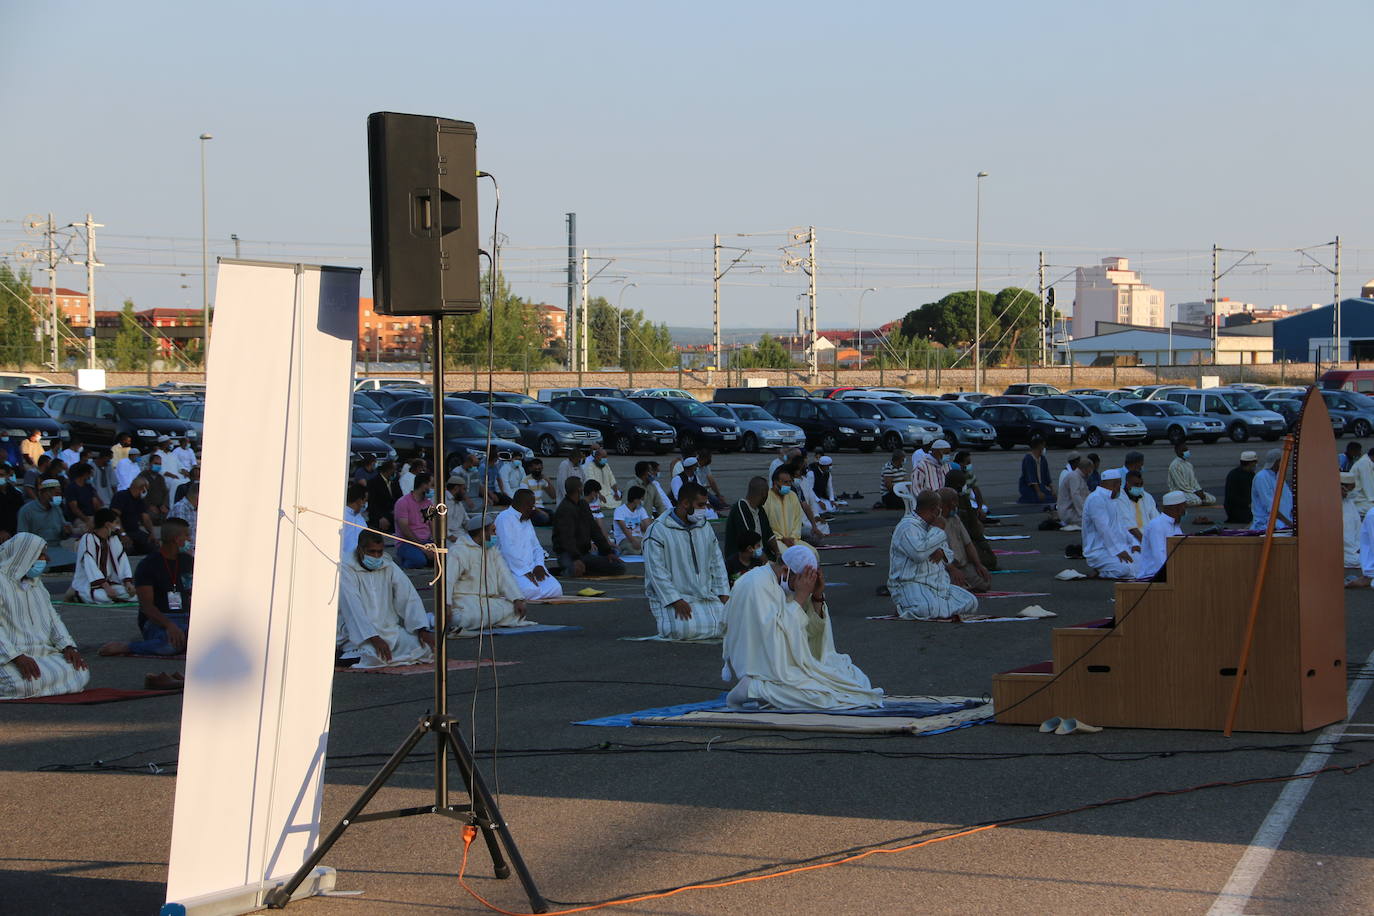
x: 860, y: 564
x: 164, y: 680
x: 1062, y: 726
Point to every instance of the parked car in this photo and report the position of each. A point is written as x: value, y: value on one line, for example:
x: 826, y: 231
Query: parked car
x: 375, y: 384
x: 12, y: 380
x: 193, y: 413
x: 758, y: 428
x: 366, y: 400
x: 1173, y: 421
x: 898, y: 427
x: 830, y: 424
x: 1293, y: 394
x: 1017, y: 424
x: 624, y: 426
x: 1242, y: 415
x: 1159, y: 392
x: 53, y: 402
x: 869, y: 394
x: 415, y: 407
x: 1291, y: 411
x: 833, y: 392
x: 694, y: 422
x: 1123, y: 396
x: 362, y: 444
x: 549, y: 395
x: 487, y: 397
x: 1356, y: 412
x: 370, y: 420
x: 1005, y: 399
x: 660, y: 393
x: 1095, y: 392
x: 544, y: 429
x: 958, y: 426
x: 1034, y: 389
x: 413, y: 437
x: 19, y: 416
x: 385, y: 397
x: 1103, y: 422
x: 100, y: 419
x: 761, y: 396
x: 975, y: 397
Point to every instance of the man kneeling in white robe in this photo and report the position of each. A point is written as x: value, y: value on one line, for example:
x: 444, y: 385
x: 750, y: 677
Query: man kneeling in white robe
x: 522, y: 551
x: 38, y: 657
x: 684, y: 572
x: 918, y: 566
x: 482, y: 591
x: 1107, y: 546
x: 778, y: 641
x: 384, y: 621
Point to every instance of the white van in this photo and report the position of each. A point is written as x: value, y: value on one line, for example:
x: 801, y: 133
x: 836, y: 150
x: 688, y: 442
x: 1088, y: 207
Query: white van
x: 547, y: 395
x: 12, y: 380
x: 372, y: 384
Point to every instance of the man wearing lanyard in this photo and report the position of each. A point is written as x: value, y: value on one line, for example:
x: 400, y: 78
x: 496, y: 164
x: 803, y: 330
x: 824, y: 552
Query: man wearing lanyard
x: 162, y: 582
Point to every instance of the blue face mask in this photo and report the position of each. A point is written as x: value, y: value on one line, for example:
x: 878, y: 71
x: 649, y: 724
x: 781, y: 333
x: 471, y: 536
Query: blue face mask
x: 186, y: 547
x: 784, y: 489
x: 954, y: 465
x: 758, y: 552
x: 1137, y: 492
x: 36, y: 569
x: 493, y: 541
x: 57, y: 500
x: 429, y: 494
x: 601, y: 462
x: 373, y: 563
x: 1187, y: 453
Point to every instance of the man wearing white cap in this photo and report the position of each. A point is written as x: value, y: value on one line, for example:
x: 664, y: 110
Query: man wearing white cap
x: 1239, y: 481
x: 1350, y: 521
x: 779, y: 643
x: 686, y: 473
x: 1262, y: 495
x: 1183, y: 478
x: 919, y: 560
x: 1154, y: 545
x: 1137, y: 506
x: 929, y: 473
x: 1107, y: 547
x: 684, y: 572
x: 128, y: 469
x: 483, y: 592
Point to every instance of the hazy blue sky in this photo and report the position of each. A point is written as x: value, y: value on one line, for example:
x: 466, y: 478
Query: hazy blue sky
x: 1150, y: 130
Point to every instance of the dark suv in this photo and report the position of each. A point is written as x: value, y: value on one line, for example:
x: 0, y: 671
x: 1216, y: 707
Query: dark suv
x: 100, y: 419
x: 20, y: 416
x: 694, y: 422
x: 829, y: 424
x: 624, y: 426
x: 759, y: 397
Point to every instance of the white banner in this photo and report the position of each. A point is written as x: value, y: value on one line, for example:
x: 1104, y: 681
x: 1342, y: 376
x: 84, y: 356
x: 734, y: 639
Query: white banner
x: 260, y: 662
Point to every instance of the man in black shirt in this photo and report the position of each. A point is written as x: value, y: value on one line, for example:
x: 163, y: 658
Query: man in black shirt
x: 1236, y: 497
x: 382, y: 493
x: 162, y: 582
x: 11, y: 500
x: 134, y: 518
x: 575, y: 531
x: 747, y: 515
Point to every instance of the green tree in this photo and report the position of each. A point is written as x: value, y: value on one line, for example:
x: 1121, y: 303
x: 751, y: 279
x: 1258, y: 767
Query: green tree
x: 19, y: 346
x: 132, y: 347
x: 625, y: 338
x: 768, y: 353
x: 516, y: 331
x: 899, y: 351
x: 1008, y: 318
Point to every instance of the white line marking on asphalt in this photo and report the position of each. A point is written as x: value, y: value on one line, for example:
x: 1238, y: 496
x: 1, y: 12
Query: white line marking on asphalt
x: 1250, y: 869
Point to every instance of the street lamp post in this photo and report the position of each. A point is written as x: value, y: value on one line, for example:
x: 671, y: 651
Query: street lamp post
x: 204, y: 263
x: 978, y: 284
x: 620, y: 322
x: 859, y: 334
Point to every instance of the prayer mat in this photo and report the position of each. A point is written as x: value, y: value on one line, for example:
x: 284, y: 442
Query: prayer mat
x: 512, y: 631
x: 970, y: 618
x: 1003, y: 572
x: 1014, y: 553
x: 94, y: 696
x: 625, y: 559
x: 845, y: 547
x: 570, y: 599
x: 1007, y: 537
x: 899, y: 715
x: 1011, y: 594
x: 454, y: 664
x: 92, y: 605
x: 686, y: 642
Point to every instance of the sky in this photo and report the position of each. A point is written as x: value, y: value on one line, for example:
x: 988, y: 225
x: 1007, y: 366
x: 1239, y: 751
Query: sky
x: 1151, y: 131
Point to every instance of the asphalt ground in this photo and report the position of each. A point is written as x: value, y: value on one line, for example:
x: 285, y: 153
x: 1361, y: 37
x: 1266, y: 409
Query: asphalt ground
x: 601, y: 812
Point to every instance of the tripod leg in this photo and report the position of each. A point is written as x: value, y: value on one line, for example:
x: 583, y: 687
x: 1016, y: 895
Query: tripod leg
x: 480, y: 812
x: 484, y: 808
x: 281, y: 896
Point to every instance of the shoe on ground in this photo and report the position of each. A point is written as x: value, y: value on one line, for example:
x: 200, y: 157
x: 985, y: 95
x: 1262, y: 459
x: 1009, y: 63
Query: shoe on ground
x: 1075, y: 727
x: 1050, y: 725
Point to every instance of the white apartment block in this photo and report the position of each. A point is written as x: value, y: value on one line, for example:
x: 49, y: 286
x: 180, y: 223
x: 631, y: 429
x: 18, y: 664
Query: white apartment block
x: 1201, y: 312
x: 1114, y: 292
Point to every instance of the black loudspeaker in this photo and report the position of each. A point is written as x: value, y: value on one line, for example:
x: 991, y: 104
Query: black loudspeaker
x: 422, y: 172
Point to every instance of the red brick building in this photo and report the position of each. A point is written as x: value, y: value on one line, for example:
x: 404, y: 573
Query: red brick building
x: 72, y: 305
x: 387, y: 337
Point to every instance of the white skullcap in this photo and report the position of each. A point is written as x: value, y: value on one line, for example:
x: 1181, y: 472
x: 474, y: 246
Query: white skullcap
x: 689, y: 462
x: 826, y: 461
x: 1347, y: 477
x: 1113, y: 474
x: 1248, y: 455
x: 1271, y: 458
x: 1175, y: 498
x: 939, y: 443
x: 799, y: 558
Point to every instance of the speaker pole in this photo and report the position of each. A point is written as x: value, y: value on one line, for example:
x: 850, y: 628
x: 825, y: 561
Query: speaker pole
x: 440, y: 522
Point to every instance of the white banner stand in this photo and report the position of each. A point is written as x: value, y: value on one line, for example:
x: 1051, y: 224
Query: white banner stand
x: 255, y: 718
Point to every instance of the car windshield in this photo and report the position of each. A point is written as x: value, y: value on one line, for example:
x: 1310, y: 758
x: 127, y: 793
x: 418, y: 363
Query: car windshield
x: 1172, y: 409
x: 19, y: 407
x: 542, y: 414
x: 894, y: 411
x: 1361, y: 401
x: 464, y: 427
x: 947, y: 410
x: 752, y: 413
x: 1240, y: 400
x: 1035, y: 413
x: 603, y: 392
x: 145, y: 409
x: 357, y: 431
x: 363, y: 415
x: 629, y: 410
x: 837, y: 410
x: 694, y: 408
x: 464, y: 408
x: 1101, y: 405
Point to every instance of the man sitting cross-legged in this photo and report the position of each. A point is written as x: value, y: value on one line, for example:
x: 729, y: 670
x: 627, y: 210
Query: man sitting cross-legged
x: 38, y: 657
x: 103, y: 574
x: 684, y: 572
x: 162, y: 583
x: 575, y: 532
x: 779, y: 644
x: 482, y: 591
x: 919, y: 561
x: 384, y: 622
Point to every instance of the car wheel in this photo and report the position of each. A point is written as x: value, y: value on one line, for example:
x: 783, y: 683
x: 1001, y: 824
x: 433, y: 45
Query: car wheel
x: 1238, y: 432
x: 892, y: 441
x: 686, y: 441
x: 1176, y: 434
x: 751, y: 442
x: 1361, y: 428
x: 547, y: 446
x: 624, y: 445
x: 952, y: 439
x: 1094, y: 438
x: 830, y: 443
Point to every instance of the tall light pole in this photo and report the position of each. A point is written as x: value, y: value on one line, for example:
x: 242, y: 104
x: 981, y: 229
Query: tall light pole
x: 978, y: 284
x: 204, y: 263
x: 859, y: 334
x: 620, y: 322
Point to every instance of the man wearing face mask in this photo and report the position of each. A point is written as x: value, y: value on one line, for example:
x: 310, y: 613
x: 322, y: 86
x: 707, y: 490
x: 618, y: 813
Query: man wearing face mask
x: 1154, y: 548
x: 1183, y: 478
x: 541, y: 487
x: 1137, y: 507
x: 483, y: 592
x: 1107, y: 547
x: 135, y: 524
x: 188, y: 510
x: 655, y: 502
x: 103, y: 574
x: 522, y: 551
x: 596, y: 468
x: 43, y: 517
x: 127, y: 468
x: 784, y: 509
x: 162, y: 582
x: 748, y: 515
x: 412, y: 524
x: 576, y: 533
x: 965, y: 569
x: 921, y: 566
x: 780, y: 646
x: 11, y: 501
x: 38, y: 657
x: 355, y: 514
x: 510, y: 476
x: 684, y: 571
x: 383, y: 621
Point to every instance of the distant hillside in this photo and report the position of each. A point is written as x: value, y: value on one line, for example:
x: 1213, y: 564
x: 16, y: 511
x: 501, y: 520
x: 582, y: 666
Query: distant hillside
x: 696, y: 336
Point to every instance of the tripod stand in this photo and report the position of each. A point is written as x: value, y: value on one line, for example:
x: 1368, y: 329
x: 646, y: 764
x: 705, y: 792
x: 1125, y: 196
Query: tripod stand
x: 481, y: 811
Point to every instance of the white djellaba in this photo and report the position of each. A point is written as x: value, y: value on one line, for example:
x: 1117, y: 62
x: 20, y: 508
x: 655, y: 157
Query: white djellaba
x: 477, y: 603
x: 29, y: 625
x: 381, y: 602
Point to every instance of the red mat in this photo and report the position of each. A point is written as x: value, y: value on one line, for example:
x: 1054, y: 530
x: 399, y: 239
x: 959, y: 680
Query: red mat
x: 1014, y: 553
x: 427, y: 668
x: 94, y: 696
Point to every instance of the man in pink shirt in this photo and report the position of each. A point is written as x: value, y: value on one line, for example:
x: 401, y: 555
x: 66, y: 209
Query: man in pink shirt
x: 412, y: 525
